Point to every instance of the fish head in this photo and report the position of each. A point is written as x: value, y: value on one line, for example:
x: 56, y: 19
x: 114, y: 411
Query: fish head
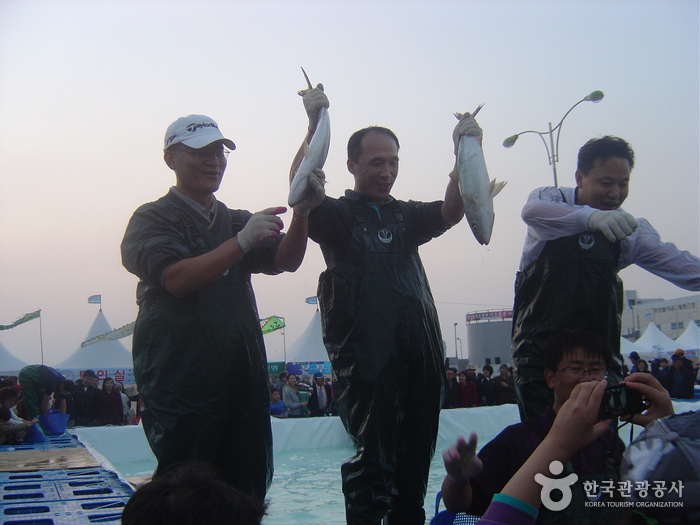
x: 480, y: 220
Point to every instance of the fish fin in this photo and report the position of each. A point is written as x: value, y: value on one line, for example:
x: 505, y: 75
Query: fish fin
x: 496, y: 187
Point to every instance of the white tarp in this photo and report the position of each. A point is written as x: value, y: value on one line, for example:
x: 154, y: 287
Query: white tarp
x: 9, y: 364
x: 626, y: 347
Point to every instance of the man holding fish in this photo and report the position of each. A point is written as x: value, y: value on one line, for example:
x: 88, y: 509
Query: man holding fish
x: 380, y: 326
x: 199, y: 356
x: 577, y: 240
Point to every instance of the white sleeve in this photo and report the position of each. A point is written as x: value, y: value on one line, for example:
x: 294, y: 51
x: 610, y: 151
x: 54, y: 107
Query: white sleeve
x: 551, y: 213
x: 646, y: 249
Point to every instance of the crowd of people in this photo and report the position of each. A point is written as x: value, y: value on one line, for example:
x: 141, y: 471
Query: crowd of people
x: 679, y: 377
x: 39, y: 389
x: 467, y: 389
x: 292, y: 396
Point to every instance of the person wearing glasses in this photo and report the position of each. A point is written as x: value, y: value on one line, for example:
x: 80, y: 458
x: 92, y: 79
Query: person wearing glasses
x: 198, y: 322
x: 577, y: 241
x: 571, y: 357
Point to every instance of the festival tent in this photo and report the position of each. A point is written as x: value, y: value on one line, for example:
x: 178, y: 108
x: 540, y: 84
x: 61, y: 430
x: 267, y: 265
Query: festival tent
x: 656, y: 342
x: 9, y: 364
x: 690, y: 339
x: 108, y: 358
x: 308, y: 353
x: 626, y: 347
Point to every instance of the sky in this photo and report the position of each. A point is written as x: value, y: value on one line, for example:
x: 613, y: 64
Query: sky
x: 87, y: 89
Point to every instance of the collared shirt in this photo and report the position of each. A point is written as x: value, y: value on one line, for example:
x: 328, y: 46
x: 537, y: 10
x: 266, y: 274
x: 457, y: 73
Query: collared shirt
x: 209, y: 214
x: 551, y: 213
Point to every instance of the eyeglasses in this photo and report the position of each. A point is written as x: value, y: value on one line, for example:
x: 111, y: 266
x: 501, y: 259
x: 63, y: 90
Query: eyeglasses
x: 221, y: 154
x: 578, y: 371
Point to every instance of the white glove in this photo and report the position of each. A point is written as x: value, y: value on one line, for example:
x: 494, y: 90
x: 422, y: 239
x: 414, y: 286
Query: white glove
x: 316, y: 194
x: 314, y: 99
x: 615, y: 224
x: 466, y: 126
x: 262, y: 225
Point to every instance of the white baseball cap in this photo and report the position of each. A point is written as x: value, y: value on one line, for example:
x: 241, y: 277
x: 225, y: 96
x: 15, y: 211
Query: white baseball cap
x: 195, y: 131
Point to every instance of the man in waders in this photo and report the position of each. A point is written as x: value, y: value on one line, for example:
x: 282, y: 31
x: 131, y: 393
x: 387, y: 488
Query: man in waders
x: 380, y: 326
x: 199, y: 355
x: 578, y: 239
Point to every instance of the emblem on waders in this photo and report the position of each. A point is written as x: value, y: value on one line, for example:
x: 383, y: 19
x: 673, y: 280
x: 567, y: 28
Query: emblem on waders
x: 385, y: 235
x: 586, y: 241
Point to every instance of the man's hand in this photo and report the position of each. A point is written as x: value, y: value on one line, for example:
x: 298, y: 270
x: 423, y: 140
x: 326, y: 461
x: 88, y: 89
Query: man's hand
x: 661, y: 404
x: 615, y: 224
x: 466, y: 126
x: 575, y: 426
x: 314, y: 99
x: 316, y: 194
x: 262, y: 225
x: 461, y: 461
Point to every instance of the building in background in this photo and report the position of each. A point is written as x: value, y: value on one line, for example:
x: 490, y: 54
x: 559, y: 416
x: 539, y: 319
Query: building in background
x: 671, y: 316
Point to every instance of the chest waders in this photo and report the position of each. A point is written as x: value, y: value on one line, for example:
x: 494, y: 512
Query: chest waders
x: 572, y: 285
x: 201, y: 370
x: 382, y: 334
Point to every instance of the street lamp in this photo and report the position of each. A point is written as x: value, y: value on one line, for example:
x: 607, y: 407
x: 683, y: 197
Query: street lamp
x: 552, y: 149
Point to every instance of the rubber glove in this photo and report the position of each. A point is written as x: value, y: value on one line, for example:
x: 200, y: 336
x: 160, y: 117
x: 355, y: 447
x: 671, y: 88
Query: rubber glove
x: 466, y: 126
x: 314, y: 99
x: 316, y: 194
x: 615, y: 224
x: 262, y: 225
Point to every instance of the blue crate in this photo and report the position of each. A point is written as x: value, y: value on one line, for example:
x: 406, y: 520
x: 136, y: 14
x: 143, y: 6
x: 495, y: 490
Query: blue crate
x: 58, y: 474
x: 87, y: 512
x: 90, y: 489
x: 28, y: 491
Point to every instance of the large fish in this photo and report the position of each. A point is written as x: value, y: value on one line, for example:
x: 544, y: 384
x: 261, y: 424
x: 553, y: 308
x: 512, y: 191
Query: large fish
x: 315, y: 154
x: 476, y: 189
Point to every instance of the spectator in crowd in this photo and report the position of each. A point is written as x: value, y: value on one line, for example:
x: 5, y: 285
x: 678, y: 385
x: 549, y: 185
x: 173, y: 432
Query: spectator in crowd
x: 321, y: 398
x: 11, y: 430
x: 63, y: 400
x: 291, y: 399
x: 86, y: 396
x: 111, y: 409
x: 452, y: 389
x: 277, y: 407
x: 484, y: 387
x: 468, y: 396
x: 680, y: 380
x: 659, y: 369
x: 634, y: 358
x: 126, y: 402
x: 281, y: 381
x: 571, y: 357
x: 504, y: 389
x: 643, y: 366
x: 191, y: 493
x: 38, y: 383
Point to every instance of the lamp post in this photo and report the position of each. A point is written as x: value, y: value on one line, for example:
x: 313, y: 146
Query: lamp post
x: 553, y: 148
x: 456, y: 341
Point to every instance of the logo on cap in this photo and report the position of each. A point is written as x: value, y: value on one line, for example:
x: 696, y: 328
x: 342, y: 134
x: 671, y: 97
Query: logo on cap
x: 194, y: 127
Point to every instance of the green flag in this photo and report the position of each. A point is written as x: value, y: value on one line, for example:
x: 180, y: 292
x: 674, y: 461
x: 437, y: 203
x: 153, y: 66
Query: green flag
x: 270, y: 324
x: 21, y: 320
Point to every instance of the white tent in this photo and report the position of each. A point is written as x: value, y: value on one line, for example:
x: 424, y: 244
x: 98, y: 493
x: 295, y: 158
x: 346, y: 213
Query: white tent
x: 690, y: 339
x: 309, y: 347
x: 9, y: 364
x: 626, y: 347
x: 106, y: 359
x: 656, y: 342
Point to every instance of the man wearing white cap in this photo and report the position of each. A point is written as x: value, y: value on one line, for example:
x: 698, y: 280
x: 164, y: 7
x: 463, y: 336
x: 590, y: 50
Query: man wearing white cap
x: 199, y: 356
